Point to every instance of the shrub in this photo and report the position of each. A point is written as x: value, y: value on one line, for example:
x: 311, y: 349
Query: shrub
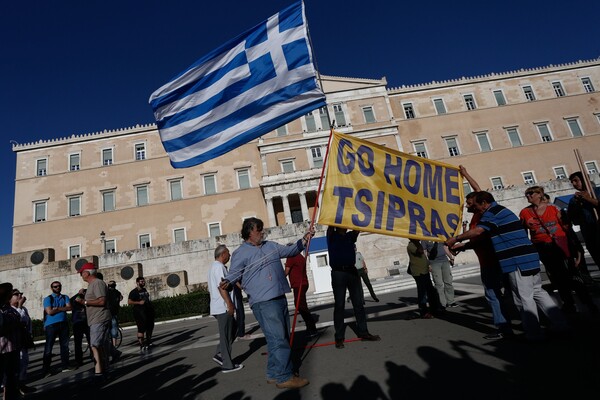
x: 195, y: 303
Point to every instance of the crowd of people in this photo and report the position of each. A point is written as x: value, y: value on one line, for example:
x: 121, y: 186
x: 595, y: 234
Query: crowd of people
x: 94, y: 316
x: 510, y: 248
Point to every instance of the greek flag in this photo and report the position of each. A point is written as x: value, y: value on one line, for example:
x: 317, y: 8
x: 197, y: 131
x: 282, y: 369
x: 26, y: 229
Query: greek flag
x: 251, y: 85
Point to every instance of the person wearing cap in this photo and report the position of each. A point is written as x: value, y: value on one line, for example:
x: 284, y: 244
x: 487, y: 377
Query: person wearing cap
x: 56, y: 325
x: 98, y: 316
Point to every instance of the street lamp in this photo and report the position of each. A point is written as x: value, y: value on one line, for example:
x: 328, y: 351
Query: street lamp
x: 103, y: 241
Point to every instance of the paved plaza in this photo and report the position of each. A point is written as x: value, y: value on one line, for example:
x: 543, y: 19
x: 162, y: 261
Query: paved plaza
x: 445, y: 357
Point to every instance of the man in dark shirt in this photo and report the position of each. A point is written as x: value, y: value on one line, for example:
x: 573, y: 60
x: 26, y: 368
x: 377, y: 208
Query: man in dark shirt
x: 143, y: 313
x: 344, y: 276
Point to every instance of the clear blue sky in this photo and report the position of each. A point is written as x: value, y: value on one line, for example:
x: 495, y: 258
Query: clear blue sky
x: 72, y: 67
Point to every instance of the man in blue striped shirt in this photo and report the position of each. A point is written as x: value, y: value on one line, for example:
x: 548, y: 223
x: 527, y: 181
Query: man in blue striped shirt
x: 518, y: 259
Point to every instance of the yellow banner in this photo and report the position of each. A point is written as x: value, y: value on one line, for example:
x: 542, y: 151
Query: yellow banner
x: 371, y: 188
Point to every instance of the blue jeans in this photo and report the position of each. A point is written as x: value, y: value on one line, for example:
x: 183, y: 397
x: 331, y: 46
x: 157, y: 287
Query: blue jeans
x: 274, y: 320
x: 340, y: 281
x: 60, y: 330
x: 114, y: 327
x: 492, y: 280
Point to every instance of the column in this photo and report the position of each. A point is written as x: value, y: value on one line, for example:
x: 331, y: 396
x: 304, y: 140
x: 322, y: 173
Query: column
x: 304, y: 207
x: 271, y: 212
x: 286, y: 209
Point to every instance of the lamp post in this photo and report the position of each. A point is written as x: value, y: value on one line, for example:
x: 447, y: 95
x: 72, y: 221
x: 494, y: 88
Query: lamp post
x: 103, y: 241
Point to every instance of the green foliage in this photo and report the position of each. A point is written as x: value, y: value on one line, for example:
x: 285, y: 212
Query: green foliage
x: 195, y: 303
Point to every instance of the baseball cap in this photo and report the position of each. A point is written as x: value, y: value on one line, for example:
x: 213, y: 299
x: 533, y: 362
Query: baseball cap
x: 86, y: 267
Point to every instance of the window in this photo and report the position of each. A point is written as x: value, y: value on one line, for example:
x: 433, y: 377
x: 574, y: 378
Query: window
x: 145, y: 241
x: 214, y: 229
x: 467, y: 188
x: 108, y: 201
x: 311, y: 125
x: 210, y: 184
x: 175, y: 189
x: 499, y: 96
x: 558, y: 89
x: 178, y: 235
x: 587, y: 85
x: 528, y: 91
x: 324, y: 117
x: 317, y: 157
x: 452, y: 147
x: 140, y: 151
x: 243, y: 176
x: 340, y: 118
x: 39, y: 211
x: 41, y: 167
x: 420, y: 149
x: 470, y: 101
x: 141, y: 195
x: 287, y: 166
x: 74, y: 162
x: 282, y: 130
x: 544, y: 132
x: 513, y: 136
x: 75, y: 251
x: 322, y: 261
x: 560, y: 172
x: 497, y: 183
x: 107, y: 156
x: 110, y: 246
x: 409, y: 111
x: 528, y: 178
x: 484, y: 143
x: 368, y: 114
x: 74, y: 206
x: 591, y: 167
x: 574, y: 127
x: 440, y: 108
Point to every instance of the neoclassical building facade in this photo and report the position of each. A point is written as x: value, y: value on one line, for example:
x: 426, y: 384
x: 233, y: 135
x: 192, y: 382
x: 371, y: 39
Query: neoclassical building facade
x: 113, y: 195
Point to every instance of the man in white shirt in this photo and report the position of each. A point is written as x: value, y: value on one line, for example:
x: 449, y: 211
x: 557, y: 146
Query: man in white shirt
x: 222, y: 308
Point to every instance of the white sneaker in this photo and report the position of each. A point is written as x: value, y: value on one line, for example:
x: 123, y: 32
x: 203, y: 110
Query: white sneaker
x: 236, y: 367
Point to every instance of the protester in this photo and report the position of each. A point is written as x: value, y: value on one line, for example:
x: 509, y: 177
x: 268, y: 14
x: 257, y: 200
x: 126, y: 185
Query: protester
x: 223, y: 309
x: 583, y: 210
x: 441, y: 271
x: 295, y: 270
x: 519, y: 261
x: 80, y: 326
x: 143, y: 313
x: 114, y: 298
x: 257, y: 263
x: 489, y: 268
x: 10, y: 343
x: 98, y: 316
x: 419, y: 267
x: 56, y: 325
x: 363, y: 273
x: 545, y: 227
x: 344, y: 276
x: 17, y: 302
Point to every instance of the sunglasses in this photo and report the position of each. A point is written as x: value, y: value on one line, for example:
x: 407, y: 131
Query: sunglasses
x: 56, y: 286
x: 529, y: 193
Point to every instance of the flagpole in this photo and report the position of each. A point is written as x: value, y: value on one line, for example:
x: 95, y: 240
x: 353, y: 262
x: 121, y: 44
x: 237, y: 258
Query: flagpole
x: 316, y: 205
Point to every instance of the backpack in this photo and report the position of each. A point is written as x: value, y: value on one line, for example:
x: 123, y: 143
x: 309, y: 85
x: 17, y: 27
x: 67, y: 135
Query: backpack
x: 432, y: 254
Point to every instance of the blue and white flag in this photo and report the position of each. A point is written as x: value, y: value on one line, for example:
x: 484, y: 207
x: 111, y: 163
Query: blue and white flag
x: 251, y: 85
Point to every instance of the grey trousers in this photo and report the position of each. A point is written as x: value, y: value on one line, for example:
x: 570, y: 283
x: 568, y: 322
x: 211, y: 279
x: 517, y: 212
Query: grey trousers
x: 227, y: 327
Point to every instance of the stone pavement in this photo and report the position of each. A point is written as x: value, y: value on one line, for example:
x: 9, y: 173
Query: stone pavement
x: 443, y: 357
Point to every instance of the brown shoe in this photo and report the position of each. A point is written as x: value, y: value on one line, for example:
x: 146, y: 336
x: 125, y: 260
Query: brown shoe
x: 271, y: 381
x: 294, y: 382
